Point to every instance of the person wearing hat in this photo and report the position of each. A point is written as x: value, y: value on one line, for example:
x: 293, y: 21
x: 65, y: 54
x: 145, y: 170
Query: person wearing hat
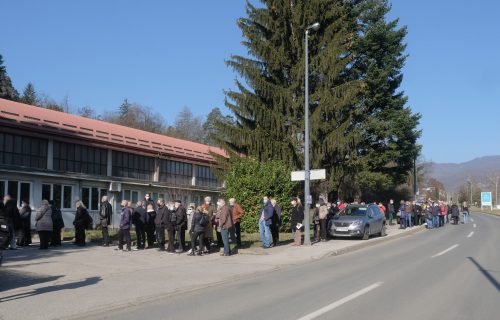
x: 180, y: 225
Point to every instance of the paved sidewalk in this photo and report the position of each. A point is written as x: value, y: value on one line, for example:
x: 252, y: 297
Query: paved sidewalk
x: 68, y: 282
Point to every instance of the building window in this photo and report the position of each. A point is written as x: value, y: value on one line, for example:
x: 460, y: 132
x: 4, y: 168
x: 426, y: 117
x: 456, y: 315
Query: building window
x: 18, y: 190
x: 131, y: 195
x: 71, y: 157
x: 133, y: 166
x: 62, y: 195
x: 23, y: 151
x: 175, y: 172
x: 91, y: 197
x: 206, y: 178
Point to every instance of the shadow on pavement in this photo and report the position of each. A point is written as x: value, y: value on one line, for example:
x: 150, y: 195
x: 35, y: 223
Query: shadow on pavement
x: 67, y: 286
x: 486, y: 274
x: 13, y: 279
x: 32, y: 252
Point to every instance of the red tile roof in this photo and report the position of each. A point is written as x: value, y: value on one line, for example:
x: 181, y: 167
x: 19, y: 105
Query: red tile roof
x: 64, y: 124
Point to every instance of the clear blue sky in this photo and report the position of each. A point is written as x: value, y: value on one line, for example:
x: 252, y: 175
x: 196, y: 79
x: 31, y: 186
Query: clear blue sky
x: 170, y: 54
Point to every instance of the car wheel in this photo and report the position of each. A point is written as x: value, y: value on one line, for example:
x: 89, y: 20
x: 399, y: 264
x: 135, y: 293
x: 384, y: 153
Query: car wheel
x: 366, y: 233
x: 383, y: 231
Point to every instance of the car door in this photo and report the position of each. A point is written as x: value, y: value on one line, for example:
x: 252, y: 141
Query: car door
x: 372, y: 219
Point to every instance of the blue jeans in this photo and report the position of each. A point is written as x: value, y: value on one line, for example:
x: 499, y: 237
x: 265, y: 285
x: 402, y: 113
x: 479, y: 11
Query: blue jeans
x: 390, y: 218
x: 435, y: 221
x: 408, y: 221
x: 466, y: 217
x: 429, y: 223
x: 265, y: 233
x: 225, y: 239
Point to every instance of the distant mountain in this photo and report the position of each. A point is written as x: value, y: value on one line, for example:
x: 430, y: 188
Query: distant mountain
x: 452, y: 175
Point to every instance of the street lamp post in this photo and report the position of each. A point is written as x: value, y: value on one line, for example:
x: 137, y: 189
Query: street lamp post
x: 307, y: 200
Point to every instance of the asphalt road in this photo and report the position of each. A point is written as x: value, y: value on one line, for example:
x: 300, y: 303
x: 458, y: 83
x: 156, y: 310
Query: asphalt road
x: 447, y: 273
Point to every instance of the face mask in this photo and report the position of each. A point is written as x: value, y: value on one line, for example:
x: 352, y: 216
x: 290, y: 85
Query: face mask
x: 264, y: 201
x: 317, y: 205
x: 207, y: 202
x: 147, y: 198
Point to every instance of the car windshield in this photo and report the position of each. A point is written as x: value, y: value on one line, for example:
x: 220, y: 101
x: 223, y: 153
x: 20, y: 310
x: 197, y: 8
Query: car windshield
x: 354, y: 211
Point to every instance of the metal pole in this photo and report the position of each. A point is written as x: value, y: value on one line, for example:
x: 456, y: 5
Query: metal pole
x: 307, y: 231
x: 470, y: 193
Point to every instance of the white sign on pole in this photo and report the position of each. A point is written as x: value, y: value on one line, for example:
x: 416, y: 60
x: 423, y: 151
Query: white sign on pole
x: 317, y: 174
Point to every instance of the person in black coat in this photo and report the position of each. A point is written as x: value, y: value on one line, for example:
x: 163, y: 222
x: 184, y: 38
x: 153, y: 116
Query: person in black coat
x: 197, y: 231
x: 80, y: 223
x: 25, y: 214
x: 13, y: 220
x: 150, y: 225
x: 171, y: 223
x: 57, y: 224
x: 296, y: 219
x: 276, y: 223
x: 180, y: 225
x: 105, y: 214
x: 161, y: 219
x: 139, y: 219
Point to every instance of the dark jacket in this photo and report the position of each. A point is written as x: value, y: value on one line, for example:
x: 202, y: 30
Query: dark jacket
x: 44, y: 218
x: 390, y: 208
x: 140, y: 216
x: 81, y: 219
x: 276, y: 220
x: 436, y: 210
x: 57, y: 218
x: 297, y: 215
x: 126, y: 218
x: 195, y: 223
x: 268, y: 213
x: 181, y: 218
x: 105, y: 214
x: 455, y: 212
x: 12, y: 214
x: 145, y: 203
x: 162, y: 216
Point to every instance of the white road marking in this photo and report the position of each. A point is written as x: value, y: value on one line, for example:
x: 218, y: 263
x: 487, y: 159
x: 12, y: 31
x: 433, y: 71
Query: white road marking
x: 443, y: 252
x: 474, y: 225
x: 340, y: 302
x: 470, y: 234
x: 471, y: 219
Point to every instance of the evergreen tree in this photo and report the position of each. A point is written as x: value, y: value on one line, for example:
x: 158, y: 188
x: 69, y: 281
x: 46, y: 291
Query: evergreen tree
x: 388, y: 149
x: 29, y: 95
x: 269, y: 100
x: 7, y: 90
x: 361, y: 130
x: 210, y: 126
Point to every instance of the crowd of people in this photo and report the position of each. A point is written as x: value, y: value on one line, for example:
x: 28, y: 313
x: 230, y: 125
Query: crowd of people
x: 163, y: 224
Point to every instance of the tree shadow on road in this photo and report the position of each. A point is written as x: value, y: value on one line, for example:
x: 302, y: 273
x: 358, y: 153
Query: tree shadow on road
x: 67, y: 286
x: 486, y: 273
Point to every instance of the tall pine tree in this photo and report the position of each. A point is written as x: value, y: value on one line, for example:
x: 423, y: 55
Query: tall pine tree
x: 269, y: 100
x: 7, y: 90
x: 390, y: 132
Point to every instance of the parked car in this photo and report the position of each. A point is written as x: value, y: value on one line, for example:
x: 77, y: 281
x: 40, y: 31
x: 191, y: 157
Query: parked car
x: 358, y: 221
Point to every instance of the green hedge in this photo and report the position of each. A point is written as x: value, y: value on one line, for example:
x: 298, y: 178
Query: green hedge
x: 248, y: 181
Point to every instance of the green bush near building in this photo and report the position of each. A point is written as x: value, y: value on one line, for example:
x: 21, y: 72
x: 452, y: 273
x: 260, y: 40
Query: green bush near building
x: 248, y: 181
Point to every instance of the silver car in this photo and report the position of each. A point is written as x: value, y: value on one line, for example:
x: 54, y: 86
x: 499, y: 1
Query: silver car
x: 358, y: 221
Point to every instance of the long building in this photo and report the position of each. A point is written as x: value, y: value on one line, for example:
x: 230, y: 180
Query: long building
x: 46, y: 154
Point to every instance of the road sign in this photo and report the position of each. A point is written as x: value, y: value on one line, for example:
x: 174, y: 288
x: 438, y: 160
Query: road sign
x: 486, y: 199
x: 317, y: 174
